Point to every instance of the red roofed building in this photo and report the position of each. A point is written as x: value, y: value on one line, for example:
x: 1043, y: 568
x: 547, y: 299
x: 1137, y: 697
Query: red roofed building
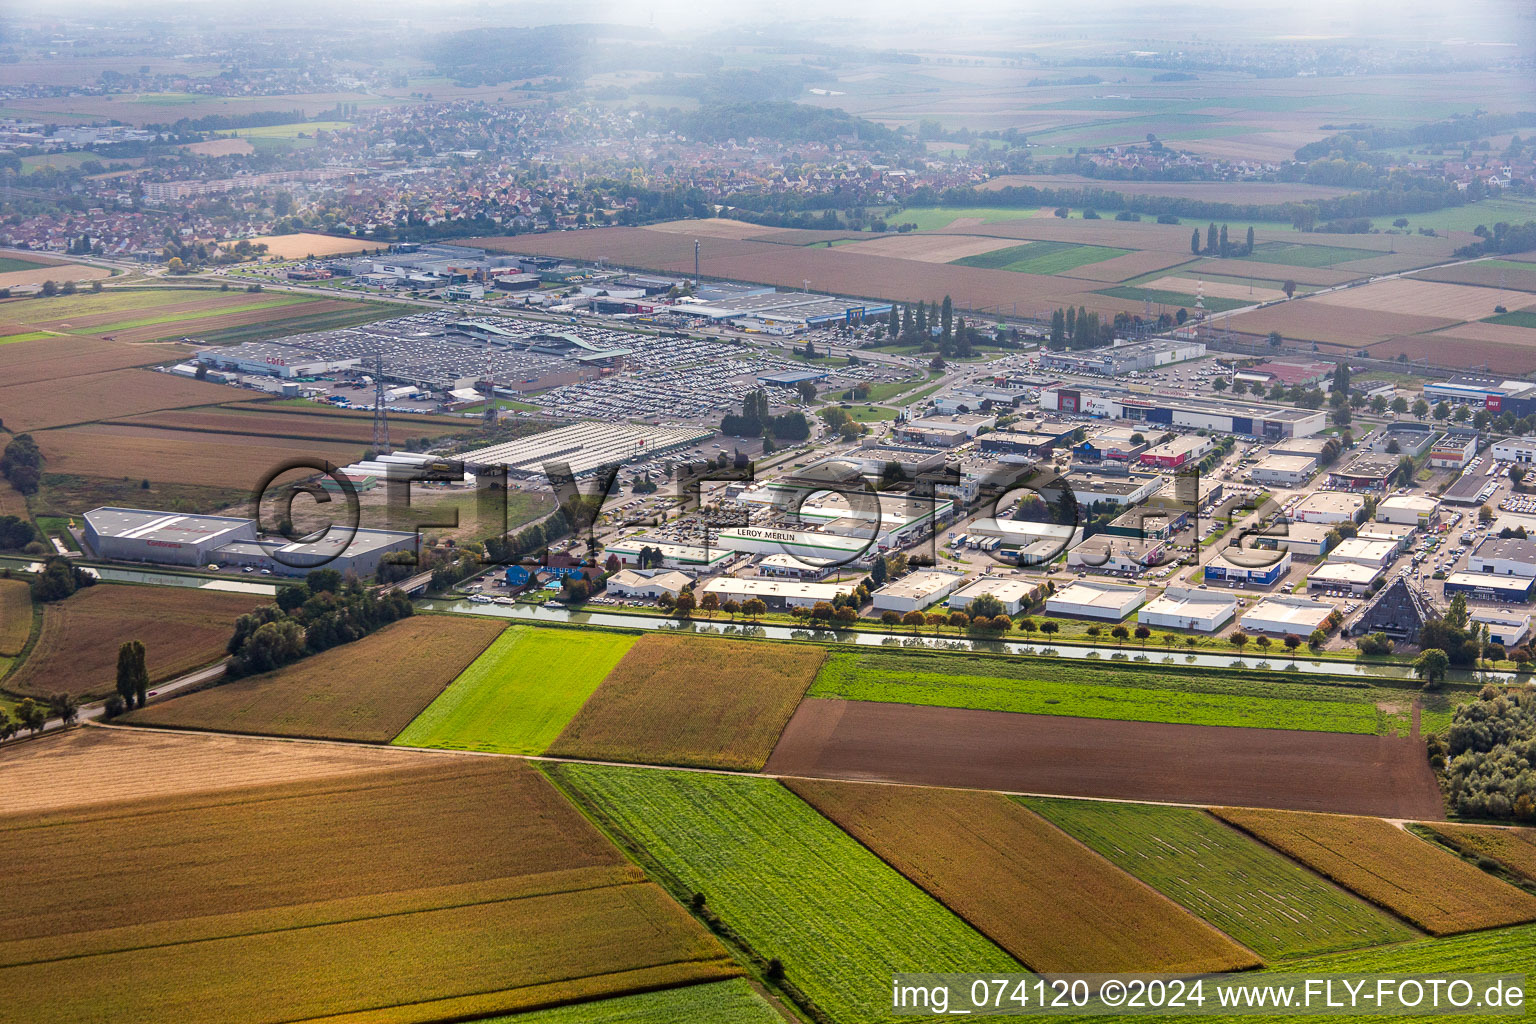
x: 1289, y: 374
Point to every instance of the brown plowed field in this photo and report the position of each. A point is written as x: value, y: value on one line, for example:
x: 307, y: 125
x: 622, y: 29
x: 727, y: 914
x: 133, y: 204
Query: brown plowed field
x: 1498, y: 334
x: 54, y: 403
x: 927, y: 248
x: 178, y: 456
x: 25, y: 362
x: 60, y: 273
x: 1452, y: 350
x: 1310, y: 320
x: 1321, y: 276
x: 932, y: 746
x: 714, y: 227
x: 1481, y: 274
x: 1123, y: 268
x: 94, y: 766
x: 278, y: 422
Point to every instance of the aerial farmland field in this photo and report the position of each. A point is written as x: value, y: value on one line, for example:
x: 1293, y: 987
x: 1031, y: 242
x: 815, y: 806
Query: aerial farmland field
x: 517, y: 696
x: 81, y: 399
x: 1260, y: 898
x: 339, y: 693
x: 1515, y: 848
x: 1050, y: 687
x: 57, y: 357
x: 791, y: 884
x: 15, y: 616
x: 391, y: 890
x: 719, y: 1002
x: 1042, y: 257
x: 692, y: 702
x: 1022, y: 882
x: 1392, y: 868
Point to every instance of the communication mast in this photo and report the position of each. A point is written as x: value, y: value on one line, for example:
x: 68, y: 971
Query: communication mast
x: 695, y: 262
x: 380, y: 416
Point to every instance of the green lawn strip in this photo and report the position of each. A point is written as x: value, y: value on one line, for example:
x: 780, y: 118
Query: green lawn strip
x: 1136, y: 293
x: 720, y: 1002
x: 1263, y: 900
x: 886, y: 390
x: 29, y: 336
x: 9, y: 264
x: 1041, y: 257
x: 786, y: 881
x: 1190, y: 697
x: 1301, y: 254
x: 303, y: 323
x: 1519, y: 318
x: 517, y: 696
x: 201, y: 314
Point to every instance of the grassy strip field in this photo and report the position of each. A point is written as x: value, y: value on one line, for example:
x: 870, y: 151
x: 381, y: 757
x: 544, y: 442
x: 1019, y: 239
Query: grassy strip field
x: 788, y: 882
x: 15, y: 615
x: 26, y: 336
x: 1515, y: 848
x: 1259, y: 898
x: 10, y: 263
x: 394, y: 893
x: 1136, y: 293
x: 1022, y: 882
x: 339, y: 694
x: 517, y: 696
x: 76, y: 652
x: 1519, y: 318
x: 1300, y: 254
x: 1390, y: 867
x: 274, y: 301
x: 694, y: 702
x: 722, y: 1002
x: 1041, y: 257
x: 361, y: 313
x: 1163, y: 694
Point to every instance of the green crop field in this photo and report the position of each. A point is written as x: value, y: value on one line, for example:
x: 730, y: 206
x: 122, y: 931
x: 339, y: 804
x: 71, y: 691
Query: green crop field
x: 1214, y: 303
x: 11, y: 263
x: 1163, y: 694
x: 790, y: 883
x: 1041, y: 257
x: 932, y: 218
x: 1298, y: 254
x: 517, y: 696
x: 1519, y: 318
x: 1486, y: 212
x: 1261, y: 899
x: 720, y: 1002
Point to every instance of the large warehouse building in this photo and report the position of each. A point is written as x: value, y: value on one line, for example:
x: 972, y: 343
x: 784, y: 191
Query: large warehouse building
x: 584, y: 447
x: 1204, y: 611
x: 170, y: 538
x: 1248, y: 419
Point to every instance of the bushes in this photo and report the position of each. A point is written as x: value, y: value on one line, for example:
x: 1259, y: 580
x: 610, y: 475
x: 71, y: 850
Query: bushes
x: 276, y: 634
x: 1488, y: 754
x: 22, y: 464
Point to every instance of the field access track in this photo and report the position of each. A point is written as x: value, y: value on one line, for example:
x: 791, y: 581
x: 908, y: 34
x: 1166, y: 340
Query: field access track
x: 1042, y: 754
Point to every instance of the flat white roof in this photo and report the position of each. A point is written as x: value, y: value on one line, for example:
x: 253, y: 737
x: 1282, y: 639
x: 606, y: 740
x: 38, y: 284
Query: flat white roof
x: 1331, y: 501
x: 1004, y: 588
x: 1416, y: 502
x: 1359, y: 547
x: 920, y: 584
x: 1290, y: 611
x: 1344, y: 572
x: 1098, y: 595
x: 1190, y: 602
x: 760, y: 587
x: 1286, y: 463
x: 1490, y: 581
x: 675, y: 552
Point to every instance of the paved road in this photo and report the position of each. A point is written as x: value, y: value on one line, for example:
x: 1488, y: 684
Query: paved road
x: 95, y: 712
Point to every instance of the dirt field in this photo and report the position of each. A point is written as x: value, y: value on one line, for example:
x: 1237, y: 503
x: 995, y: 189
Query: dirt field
x: 1482, y: 274
x: 340, y: 693
x: 1237, y: 192
x: 394, y: 896
x: 1022, y: 882
x: 293, y: 424
x: 1123, y: 268
x: 52, y: 403
x: 713, y: 227
x: 1450, y: 349
x: 221, y: 147
x: 1392, y: 868
x: 181, y: 628
x: 15, y: 615
x: 298, y: 246
x: 1046, y: 755
x: 179, y: 456
x: 1322, y: 276
x: 1497, y: 334
x: 1353, y: 328
x: 1219, y: 289
x: 60, y: 273
x: 1407, y: 296
x: 927, y: 248
x: 94, y: 766
x: 692, y: 702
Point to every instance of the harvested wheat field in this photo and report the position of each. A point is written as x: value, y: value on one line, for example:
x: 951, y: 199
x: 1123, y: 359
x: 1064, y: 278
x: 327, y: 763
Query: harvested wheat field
x: 1218, y: 289
x: 298, y: 246
x: 1424, y: 298
x: 15, y: 616
x: 453, y: 889
x: 713, y: 227
x: 181, y: 628
x: 221, y: 147
x: 52, y: 359
x: 1390, y: 867
x: 692, y: 701
x: 263, y: 420
x: 1123, y: 268
x: 1496, y: 334
x: 1489, y: 274
x: 1054, y: 756
x: 1321, y: 276
x: 928, y: 248
x: 1022, y: 882
x: 178, y: 456
x: 1515, y: 848
x: 1311, y: 320
x: 97, y: 396
x: 59, y: 273
x: 341, y: 693
x: 98, y: 765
